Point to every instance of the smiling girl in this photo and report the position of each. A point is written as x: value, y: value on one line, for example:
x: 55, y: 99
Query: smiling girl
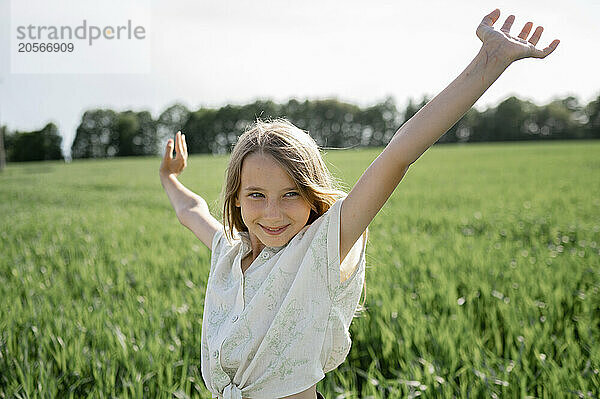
x: 288, y: 263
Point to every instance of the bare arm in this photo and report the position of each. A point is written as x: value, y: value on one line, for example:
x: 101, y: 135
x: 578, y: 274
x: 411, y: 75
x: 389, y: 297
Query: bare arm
x: 375, y: 186
x: 191, y: 209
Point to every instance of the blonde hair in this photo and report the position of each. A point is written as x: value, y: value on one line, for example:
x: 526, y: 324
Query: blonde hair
x: 297, y: 153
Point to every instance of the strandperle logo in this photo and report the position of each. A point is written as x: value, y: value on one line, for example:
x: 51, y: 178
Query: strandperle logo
x: 81, y: 32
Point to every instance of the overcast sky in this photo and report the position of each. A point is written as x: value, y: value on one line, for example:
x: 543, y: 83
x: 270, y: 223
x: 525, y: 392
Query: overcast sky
x: 213, y: 53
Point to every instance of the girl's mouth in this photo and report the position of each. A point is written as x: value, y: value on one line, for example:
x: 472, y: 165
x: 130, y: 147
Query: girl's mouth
x: 274, y: 232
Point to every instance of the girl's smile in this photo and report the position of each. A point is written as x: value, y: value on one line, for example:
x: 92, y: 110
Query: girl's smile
x: 271, y: 205
x: 274, y: 230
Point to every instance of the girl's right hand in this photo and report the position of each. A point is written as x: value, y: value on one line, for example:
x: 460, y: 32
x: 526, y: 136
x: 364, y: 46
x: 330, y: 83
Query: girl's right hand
x: 175, y: 165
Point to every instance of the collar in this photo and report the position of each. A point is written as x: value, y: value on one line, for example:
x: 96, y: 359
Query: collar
x: 247, y: 245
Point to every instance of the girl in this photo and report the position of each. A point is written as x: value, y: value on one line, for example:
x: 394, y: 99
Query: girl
x: 287, y: 265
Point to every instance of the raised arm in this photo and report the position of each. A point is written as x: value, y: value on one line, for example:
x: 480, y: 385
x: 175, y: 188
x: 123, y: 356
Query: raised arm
x: 375, y: 186
x: 191, y: 209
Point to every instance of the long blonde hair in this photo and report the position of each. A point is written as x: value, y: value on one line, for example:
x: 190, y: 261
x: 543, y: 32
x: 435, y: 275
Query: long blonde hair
x: 297, y: 153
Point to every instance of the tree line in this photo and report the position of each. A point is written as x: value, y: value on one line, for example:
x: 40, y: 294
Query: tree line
x: 104, y: 133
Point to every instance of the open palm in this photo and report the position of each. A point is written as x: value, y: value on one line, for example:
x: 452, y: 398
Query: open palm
x: 175, y: 165
x: 512, y: 48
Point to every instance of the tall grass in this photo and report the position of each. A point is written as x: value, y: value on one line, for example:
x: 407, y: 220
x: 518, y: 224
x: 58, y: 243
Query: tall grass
x: 483, y: 272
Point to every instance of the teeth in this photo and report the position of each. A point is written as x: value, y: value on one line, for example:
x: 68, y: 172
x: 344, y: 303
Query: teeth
x: 274, y: 229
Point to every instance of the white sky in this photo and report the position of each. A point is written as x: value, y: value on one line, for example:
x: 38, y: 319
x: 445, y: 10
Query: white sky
x: 219, y: 52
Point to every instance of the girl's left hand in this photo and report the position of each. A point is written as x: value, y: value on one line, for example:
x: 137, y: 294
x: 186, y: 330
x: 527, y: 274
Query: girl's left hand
x: 505, y: 47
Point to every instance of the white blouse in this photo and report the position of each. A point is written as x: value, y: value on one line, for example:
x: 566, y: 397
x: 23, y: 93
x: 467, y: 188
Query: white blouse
x: 278, y: 328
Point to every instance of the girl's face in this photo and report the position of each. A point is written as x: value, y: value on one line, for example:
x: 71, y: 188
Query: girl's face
x: 271, y: 205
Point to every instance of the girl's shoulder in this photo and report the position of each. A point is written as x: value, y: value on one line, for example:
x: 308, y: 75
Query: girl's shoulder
x: 223, y: 243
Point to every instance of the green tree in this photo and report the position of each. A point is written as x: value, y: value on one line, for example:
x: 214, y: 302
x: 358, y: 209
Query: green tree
x: 169, y: 122
x: 464, y: 130
x: 105, y: 133
x: 199, y: 130
x: 2, y: 147
x: 412, y: 108
x: 127, y: 128
x: 379, y: 123
x: 592, y: 126
x: 560, y: 119
x: 40, y: 145
x: 509, y: 117
x: 96, y: 135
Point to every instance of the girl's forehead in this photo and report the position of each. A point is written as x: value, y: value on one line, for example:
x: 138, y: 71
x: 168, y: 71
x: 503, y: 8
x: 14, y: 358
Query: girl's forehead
x: 263, y: 171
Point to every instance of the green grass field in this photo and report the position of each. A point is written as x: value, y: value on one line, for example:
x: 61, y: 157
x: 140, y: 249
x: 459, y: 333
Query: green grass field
x: 483, y: 278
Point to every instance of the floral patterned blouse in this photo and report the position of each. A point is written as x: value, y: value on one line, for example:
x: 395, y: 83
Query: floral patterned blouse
x: 276, y: 329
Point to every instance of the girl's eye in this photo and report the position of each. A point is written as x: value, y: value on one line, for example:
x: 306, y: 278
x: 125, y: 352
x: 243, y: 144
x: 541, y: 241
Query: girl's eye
x: 260, y: 195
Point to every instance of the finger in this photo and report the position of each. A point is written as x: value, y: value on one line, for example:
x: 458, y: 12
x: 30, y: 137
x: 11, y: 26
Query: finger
x: 535, y: 38
x: 179, y: 145
x: 176, y: 144
x: 526, y: 29
x: 491, y: 18
x: 548, y: 50
x: 508, y: 24
x: 184, y: 146
x: 169, y: 150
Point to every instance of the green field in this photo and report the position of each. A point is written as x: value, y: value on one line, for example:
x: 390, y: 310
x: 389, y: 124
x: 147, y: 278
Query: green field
x: 483, y: 278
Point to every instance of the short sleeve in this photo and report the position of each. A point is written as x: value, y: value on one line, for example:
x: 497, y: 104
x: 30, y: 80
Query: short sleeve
x: 219, y: 248
x: 355, y: 260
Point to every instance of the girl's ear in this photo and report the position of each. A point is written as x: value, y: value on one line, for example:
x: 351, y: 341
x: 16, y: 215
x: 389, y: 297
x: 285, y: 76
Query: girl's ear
x: 237, y: 202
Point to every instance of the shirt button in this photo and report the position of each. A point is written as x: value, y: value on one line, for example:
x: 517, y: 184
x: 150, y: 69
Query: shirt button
x: 265, y: 255
x: 234, y: 319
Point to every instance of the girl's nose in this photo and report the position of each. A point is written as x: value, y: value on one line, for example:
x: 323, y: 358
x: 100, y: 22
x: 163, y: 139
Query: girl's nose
x: 273, y: 210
